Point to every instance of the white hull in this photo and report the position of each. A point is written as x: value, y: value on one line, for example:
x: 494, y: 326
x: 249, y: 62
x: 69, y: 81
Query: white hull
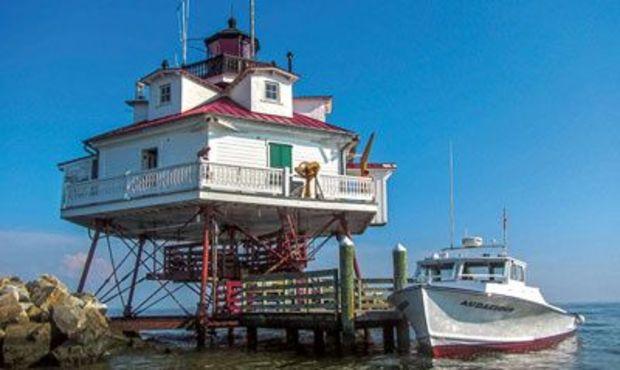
x: 453, y: 321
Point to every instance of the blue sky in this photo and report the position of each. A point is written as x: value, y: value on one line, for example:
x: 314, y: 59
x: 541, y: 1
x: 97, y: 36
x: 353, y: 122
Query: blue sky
x: 528, y: 92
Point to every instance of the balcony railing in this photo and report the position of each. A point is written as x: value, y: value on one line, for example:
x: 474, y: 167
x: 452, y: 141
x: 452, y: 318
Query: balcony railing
x: 213, y: 176
x: 221, y: 64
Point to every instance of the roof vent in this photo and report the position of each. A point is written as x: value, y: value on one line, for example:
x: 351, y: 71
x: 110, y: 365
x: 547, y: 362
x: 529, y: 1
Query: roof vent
x: 472, y: 242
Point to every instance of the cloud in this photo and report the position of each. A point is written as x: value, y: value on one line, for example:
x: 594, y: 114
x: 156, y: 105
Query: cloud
x: 29, y: 254
x: 74, y: 264
x: 27, y: 239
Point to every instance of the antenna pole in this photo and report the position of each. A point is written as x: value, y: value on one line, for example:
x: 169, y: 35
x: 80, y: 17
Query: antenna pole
x: 184, y: 20
x: 451, y: 197
x: 504, y: 228
x: 252, y: 30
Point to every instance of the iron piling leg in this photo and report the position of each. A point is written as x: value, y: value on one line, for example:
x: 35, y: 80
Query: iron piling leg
x: 202, y: 306
x: 132, y: 288
x: 89, y: 260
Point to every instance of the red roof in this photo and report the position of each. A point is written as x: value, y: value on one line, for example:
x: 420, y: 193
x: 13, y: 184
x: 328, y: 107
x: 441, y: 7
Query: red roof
x: 224, y: 106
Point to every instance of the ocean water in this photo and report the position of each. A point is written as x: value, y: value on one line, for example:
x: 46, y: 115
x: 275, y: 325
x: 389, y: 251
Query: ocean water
x: 595, y: 346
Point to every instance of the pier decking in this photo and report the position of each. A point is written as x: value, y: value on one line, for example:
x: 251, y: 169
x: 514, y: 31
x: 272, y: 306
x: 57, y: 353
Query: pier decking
x: 292, y: 301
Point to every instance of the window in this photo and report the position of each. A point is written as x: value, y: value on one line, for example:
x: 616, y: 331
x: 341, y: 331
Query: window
x: 488, y: 271
x: 149, y: 159
x: 272, y: 91
x: 94, y: 169
x: 437, y: 272
x: 165, y: 92
x: 280, y: 155
x: 517, y: 273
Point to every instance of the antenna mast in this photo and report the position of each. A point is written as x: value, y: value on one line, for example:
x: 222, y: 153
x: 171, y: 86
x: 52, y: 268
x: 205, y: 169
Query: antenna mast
x: 184, y: 25
x: 451, y: 197
x: 252, y: 30
x: 504, y: 228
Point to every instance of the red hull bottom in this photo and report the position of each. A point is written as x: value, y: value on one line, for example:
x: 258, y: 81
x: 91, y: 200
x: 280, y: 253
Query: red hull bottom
x: 468, y: 350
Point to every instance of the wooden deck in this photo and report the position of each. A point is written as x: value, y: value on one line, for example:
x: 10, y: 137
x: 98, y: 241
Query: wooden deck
x: 292, y: 301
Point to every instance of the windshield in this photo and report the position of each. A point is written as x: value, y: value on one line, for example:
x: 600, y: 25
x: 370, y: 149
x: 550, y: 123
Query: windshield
x: 487, y: 271
x: 436, y: 272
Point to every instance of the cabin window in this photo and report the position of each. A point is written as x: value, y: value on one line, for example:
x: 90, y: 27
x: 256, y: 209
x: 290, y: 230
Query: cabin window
x: 437, y: 272
x: 149, y: 159
x: 517, y: 273
x: 280, y: 155
x: 165, y: 94
x: 272, y: 91
x: 94, y: 169
x: 489, y: 271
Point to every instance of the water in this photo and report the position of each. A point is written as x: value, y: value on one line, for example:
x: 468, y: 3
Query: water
x: 596, y: 346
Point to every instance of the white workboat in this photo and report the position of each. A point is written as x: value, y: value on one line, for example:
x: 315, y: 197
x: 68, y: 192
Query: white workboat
x: 474, y: 298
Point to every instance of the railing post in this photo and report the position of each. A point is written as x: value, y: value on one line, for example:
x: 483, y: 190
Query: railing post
x: 399, y: 255
x: 347, y: 291
x: 202, y: 173
x: 286, y: 182
x: 127, y: 190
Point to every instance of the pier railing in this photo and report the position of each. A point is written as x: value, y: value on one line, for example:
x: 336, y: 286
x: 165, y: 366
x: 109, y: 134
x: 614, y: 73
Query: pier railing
x: 296, y: 292
x: 371, y: 293
x: 214, y: 176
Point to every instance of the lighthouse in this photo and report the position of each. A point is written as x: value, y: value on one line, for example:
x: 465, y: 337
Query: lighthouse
x: 222, y: 172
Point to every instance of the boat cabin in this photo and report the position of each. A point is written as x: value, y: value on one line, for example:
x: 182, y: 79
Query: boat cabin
x: 487, y: 264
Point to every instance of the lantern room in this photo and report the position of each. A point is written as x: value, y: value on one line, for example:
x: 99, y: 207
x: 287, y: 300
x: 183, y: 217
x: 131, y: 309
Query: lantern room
x: 230, y: 41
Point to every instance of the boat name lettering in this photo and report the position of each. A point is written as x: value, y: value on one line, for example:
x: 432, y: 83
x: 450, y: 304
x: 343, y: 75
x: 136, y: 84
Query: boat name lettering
x: 486, y: 306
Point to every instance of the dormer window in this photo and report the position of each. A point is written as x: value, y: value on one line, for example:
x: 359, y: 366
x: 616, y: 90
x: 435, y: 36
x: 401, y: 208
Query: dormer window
x: 165, y: 93
x: 272, y: 91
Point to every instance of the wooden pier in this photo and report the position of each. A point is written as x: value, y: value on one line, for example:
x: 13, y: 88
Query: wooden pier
x: 311, y: 301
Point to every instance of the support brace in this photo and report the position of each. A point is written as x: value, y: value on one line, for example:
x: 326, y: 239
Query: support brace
x: 89, y: 259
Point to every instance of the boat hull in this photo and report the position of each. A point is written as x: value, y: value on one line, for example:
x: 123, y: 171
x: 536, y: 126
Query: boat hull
x: 452, y: 322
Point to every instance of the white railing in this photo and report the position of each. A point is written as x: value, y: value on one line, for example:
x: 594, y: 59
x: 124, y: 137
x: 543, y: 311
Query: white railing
x: 220, y: 176
x: 93, y: 191
x: 211, y: 175
x: 158, y: 181
x: 339, y: 187
x: 165, y: 180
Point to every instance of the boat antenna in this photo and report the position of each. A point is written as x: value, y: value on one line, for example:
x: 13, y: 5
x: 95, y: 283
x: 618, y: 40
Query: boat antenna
x: 505, y: 228
x: 451, y: 197
x: 252, y: 30
x: 183, y: 18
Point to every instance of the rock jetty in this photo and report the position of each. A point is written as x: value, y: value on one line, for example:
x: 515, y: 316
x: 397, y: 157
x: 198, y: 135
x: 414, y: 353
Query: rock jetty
x: 43, y: 324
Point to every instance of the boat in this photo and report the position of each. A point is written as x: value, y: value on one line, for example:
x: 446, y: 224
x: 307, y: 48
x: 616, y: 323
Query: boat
x: 474, y: 298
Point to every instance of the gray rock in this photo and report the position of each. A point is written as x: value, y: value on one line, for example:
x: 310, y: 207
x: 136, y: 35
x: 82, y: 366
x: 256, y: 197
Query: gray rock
x: 69, y: 316
x: 90, y: 300
x: 37, y: 315
x: 26, y: 344
x: 17, y: 288
x: 11, y: 311
x: 46, y: 291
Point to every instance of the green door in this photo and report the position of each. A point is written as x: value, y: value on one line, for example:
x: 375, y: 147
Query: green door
x: 280, y: 155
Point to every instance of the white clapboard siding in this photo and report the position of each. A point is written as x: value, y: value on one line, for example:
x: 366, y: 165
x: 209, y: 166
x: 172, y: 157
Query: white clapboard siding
x: 327, y: 157
x: 237, y: 150
x: 173, y: 148
x: 245, y: 150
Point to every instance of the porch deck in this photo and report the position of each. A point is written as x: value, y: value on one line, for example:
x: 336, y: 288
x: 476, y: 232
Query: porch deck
x: 250, y: 196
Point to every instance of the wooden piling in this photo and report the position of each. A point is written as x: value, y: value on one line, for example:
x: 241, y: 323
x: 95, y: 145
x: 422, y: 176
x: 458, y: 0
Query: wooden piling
x: 334, y: 336
x: 319, y: 341
x: 231, y: 337
x: 292, y: 338
x: 388, y: 338
x: 400, y: 281
x: 252, y: 338
x: 347, y: 293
